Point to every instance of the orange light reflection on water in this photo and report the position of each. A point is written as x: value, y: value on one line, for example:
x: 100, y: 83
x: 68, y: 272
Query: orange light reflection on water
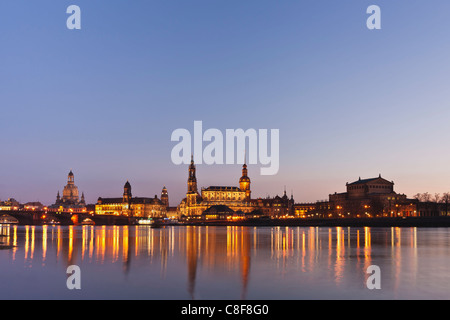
x: 291, y: 249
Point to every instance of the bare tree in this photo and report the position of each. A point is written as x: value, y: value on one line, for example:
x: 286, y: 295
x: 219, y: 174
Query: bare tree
x: 437, y: 197
x: 418, y: 196
x: 426, y: 197
x: 446, y: 200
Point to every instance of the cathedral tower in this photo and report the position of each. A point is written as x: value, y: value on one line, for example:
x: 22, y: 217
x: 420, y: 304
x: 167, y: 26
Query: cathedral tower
x: 127, y: 192
x: 244, y: 182
x: 192, y: 179
x: 192, y: 192
x: 126, y: 205
x: 165, y: 197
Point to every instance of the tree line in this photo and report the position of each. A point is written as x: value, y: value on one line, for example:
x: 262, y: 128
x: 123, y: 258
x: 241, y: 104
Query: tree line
x: 437, y: 197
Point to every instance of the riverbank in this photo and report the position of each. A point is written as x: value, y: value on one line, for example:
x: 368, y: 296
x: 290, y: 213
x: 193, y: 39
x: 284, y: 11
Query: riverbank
x: 37, y: 218
x: 424, y: 222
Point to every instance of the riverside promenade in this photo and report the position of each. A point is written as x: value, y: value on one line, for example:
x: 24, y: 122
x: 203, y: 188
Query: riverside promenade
x: 426, y: 222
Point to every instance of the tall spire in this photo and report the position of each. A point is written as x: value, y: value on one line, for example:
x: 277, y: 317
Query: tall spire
x: 192, y: 179
x: 244, y: 181
x: 244, y: 166
x: 285, y: 197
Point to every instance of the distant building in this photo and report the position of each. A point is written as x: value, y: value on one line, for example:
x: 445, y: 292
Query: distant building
x: 229, y: 199
x: 165, y: 197
x: 370, y: 198
x: 10, y: 204
x: 131, y: 206
x: 432, y: 208
x: 33, y: 206
x: 70, y: 201
x: 218, y: 212
x: 307, y: 210
x: 373, y: 197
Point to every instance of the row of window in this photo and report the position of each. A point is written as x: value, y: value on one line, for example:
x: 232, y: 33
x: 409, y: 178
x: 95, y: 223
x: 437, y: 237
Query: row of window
x: 223, y: 196
x: 374, y: 186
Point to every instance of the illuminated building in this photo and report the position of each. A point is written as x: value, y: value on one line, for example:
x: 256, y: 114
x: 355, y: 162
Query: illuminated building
x: 230, y: 199
x: 131, y: 206
x: 70, y: 200
x: 10, y: 204
x: 370, y: 198
x: 165, y: 197
x: 303, y: 210
x: 35, y: 205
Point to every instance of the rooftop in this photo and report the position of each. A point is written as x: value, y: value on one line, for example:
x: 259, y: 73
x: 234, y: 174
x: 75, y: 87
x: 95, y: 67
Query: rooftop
x: 221, y: 188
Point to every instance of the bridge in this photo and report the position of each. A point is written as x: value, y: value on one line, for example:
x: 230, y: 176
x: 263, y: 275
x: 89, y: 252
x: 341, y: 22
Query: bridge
x: 39, y: 217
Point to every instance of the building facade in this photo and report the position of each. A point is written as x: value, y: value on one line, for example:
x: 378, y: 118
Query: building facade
x: 230, y: 199
x: 373, y: 197
x: 10, y: 205
x: 130, y: 206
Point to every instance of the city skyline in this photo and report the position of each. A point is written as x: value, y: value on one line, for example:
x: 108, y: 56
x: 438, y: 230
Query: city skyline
x: 424, y: 196
x: 104, y: 100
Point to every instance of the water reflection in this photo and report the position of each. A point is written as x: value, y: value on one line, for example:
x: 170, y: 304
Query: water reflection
x: 252, y: 258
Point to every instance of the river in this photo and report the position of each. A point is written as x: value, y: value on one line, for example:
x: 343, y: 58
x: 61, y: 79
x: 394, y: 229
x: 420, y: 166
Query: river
x: 206, y: 262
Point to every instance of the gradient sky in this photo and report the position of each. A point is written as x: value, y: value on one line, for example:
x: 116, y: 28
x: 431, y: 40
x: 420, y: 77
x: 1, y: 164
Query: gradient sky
x: 104, y: 100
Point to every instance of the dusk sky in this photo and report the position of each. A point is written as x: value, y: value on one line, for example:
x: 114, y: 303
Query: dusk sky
x: 104, y: 100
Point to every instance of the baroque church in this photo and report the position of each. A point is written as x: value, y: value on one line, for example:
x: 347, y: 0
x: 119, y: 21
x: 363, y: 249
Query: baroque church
x: 70, y: 199
x: 220, y: 201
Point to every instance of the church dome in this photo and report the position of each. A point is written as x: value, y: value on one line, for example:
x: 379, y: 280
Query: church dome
x: 70, y: 193
x: 244, y: 179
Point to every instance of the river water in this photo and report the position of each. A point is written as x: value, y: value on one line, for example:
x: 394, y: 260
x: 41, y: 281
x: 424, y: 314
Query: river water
x: 200, y: 262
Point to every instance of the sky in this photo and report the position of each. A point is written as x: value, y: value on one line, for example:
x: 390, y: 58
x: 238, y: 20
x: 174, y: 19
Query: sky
x: 349, y: 102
